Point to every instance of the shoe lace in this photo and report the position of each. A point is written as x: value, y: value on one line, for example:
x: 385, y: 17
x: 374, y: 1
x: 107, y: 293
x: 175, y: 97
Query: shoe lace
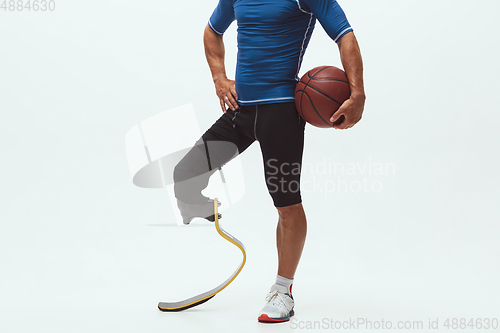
x: 277, y: 299
x: 271, y: 296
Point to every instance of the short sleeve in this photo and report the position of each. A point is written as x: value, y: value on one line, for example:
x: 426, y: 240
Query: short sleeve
x: 222, y: 17
x: 330, y: 15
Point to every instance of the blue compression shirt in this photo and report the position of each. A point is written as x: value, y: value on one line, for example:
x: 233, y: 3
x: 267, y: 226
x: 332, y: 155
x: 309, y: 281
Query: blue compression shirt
x: 272, y: 38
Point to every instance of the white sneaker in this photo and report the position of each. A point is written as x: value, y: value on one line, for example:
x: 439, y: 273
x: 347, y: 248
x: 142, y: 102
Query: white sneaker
x: 279, y: 307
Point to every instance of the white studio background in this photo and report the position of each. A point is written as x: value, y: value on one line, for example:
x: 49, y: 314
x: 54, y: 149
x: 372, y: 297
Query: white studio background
x: 82, y: 249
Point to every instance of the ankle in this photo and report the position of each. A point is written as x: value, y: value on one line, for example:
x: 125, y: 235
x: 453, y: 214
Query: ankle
x: 285, y: 282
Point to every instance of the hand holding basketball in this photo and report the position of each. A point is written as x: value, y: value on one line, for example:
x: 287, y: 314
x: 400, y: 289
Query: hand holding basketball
x: 323, y: 98
x: 351, y: 110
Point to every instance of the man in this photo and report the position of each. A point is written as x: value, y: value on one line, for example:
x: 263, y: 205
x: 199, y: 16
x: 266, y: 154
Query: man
x: 272, y: 38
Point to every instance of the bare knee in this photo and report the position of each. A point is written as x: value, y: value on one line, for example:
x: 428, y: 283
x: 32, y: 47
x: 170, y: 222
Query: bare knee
x: 291, y: 213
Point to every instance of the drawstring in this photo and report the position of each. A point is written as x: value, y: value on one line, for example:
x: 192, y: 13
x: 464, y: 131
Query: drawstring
x: 234, y: 117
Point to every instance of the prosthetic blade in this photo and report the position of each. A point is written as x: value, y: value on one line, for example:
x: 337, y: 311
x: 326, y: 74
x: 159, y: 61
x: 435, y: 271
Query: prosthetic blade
x: 202, y: 298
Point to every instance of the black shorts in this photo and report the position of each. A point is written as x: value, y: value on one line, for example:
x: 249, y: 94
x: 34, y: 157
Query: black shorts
x: 277, y: 127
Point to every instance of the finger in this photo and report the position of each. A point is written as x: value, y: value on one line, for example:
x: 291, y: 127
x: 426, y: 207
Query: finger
x: 336, y: 116
x: 231, y: 103
x: 225, y: 100
x: 339, y: 121
x: 234, y: 102
x: 222, y: 105
x: 344, y: 125
x: 234, y: 93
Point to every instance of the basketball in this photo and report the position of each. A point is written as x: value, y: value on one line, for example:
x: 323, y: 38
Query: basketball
x: 319, y: 94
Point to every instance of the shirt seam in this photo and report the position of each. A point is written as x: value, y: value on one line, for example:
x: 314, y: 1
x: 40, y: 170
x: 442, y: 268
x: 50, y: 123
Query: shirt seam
x: 342, y: 33
x: 212, y: 27
x: 266, y: 99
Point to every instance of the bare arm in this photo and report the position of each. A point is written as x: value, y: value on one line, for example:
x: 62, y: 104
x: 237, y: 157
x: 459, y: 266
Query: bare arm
x: 352, y: 109
x: 214, y: 52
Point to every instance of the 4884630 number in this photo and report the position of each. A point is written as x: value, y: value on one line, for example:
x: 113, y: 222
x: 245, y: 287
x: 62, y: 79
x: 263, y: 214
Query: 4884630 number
x: 30, y: 5
x: 474, y: 323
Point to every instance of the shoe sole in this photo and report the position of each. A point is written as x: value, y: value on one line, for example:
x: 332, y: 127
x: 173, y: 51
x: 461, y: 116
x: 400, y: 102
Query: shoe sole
x: 266, y: 319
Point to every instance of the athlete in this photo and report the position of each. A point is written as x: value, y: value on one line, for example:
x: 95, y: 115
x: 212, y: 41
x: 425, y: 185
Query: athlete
x: 259, y: 106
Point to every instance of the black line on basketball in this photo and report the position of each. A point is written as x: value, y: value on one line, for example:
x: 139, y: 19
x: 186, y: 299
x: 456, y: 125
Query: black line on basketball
x: 314, y: 107
x: 322, y: 69
x: 333, y: 99
x: 304, y: 90
x: 336, y: 80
